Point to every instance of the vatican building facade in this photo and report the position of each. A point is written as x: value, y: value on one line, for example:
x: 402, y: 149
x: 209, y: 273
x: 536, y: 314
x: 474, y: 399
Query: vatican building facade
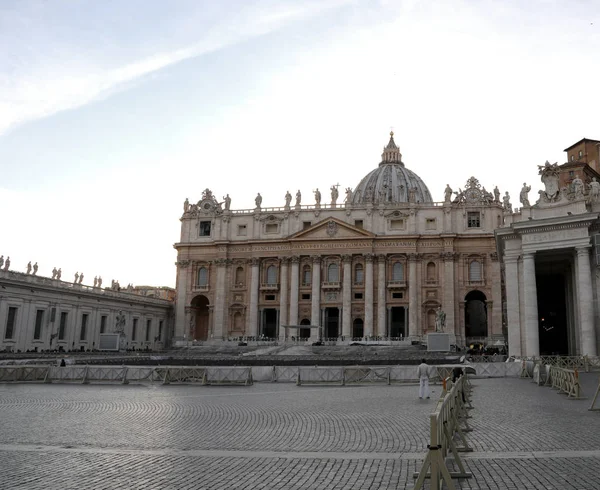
x: 383, y: 260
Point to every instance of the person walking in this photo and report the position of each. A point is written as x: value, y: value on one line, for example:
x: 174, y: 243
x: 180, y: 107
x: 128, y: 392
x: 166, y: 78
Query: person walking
x: 423, y: 375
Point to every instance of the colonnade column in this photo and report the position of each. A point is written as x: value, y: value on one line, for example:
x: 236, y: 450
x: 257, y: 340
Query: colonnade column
x: 449, y: 301
x: 412, y: 295
x: 315, y: 310
x: 532, y: 334
x: 347, y: 297
x: 294, y: 286
x: 496, y: 316
x: 381, y: 310
x: 219, y: 327
x: 585, y: 301
x: 283, y: 297
x: 181, y: 327
x: 513, y: 315
x: 368, y: 331
x: 252, y: 320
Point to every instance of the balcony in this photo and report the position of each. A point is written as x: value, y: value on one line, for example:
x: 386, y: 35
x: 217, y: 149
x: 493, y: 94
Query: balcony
x: 396, y: 284
x: 204, y: 288
x: 240, y: 286
x: 331, y: 285
x: 269, y: 287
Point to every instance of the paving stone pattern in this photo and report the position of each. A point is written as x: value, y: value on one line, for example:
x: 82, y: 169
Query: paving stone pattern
x: 279, y: 436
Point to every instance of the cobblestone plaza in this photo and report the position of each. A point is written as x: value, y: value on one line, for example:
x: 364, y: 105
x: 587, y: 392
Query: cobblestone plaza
x: 279, y: 436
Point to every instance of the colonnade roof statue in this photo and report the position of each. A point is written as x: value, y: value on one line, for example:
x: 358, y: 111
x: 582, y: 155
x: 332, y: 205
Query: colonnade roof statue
x: 391, y: 182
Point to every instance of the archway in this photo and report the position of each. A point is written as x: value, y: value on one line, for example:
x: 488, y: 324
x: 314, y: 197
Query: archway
x: 475, y: 315
x: 358, y: 329
x: 200, y: 317
x: 304, y: 332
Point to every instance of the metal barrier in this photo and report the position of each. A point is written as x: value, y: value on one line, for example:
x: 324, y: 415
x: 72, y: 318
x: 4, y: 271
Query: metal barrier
x: 582, y: 363
x: 320, y: 375
x: 566, y: 381
x: 445, y: 427
x: 592, y: 408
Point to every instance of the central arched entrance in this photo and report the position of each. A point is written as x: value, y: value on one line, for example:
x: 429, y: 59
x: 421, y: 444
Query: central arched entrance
x: 200, y: 317
x: 358, y: 328
x: 304, y: 332
x: 475, y: 315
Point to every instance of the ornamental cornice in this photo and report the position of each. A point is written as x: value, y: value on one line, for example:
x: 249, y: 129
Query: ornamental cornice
x: 412, y: 257
x: 368, y: 257
x: 316, y: 259
x: 346, y: 258
x: 182, y: 264
x: 284, y: 260
x: 255, y: 261
x: 294, y: 259
x: 557, y: 227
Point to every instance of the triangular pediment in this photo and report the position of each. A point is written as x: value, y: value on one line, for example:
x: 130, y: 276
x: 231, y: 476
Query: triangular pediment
x: 331, y: 229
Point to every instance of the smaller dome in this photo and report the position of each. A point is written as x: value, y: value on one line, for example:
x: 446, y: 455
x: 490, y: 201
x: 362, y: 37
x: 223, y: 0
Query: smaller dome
x: 391, y: 182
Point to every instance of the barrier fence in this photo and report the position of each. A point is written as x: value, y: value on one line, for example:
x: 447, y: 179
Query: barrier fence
x: 565, y: 381
x: 447, y: 427
x: 592, y: 406
x: 582, y: 363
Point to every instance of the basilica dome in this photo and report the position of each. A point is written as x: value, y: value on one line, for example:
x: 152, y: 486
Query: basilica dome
x: 391, y: 182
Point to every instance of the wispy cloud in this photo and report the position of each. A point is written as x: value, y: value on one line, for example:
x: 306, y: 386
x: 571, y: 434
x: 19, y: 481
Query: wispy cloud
x: 44, y: 78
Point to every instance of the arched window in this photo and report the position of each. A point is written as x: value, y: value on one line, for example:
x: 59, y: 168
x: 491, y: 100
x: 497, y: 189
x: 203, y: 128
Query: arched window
x: 359, y: 274
x: 306, y: 275
x: 475, y: 271
x: 398, y: 272
x: 271, y: 275
x: 239, y: 276
x: 333, y: 273
x: 203, y: 276
x: 431, y: 272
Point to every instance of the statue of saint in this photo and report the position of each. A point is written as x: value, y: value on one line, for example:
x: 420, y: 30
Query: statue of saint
x: 577, y: 186
x: 99, y: 281
x: 298, y: 197
x: 318, y: 197
x: 58, y: 273
x: 506, y: 202
x: 594, y: 190
x: 523, y: 197
x: 29, y: 267
x: 227, y: 201
x: 334, y: 195
x: 54, y: 272
x: 440, y: 320
x: 349, y: 195
x: 448, y: 193
x: 412, y: 194
x: 81, y: 278
x: 258, y: 200
x: 7, y: 263
x: 496, y: 194
x: 120, y: 323
x: 35, y: 268
x: 186, y: 205
x: 76, y: 278
x: 95, y: 281
x: 1, y: 261
x: 288, y: 199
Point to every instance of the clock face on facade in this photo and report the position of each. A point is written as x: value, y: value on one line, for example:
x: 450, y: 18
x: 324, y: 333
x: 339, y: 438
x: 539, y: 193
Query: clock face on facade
x: 206, y: 205
x: 473, y: 194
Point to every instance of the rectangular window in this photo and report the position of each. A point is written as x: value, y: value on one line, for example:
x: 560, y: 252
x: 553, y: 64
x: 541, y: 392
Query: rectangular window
x: 39, y: 317
x: 397, y: 295
x: 160, y: 327
x: 305, y: 296
x: 397, y: 224
x: 430, y: 224
x: 358, y: 295
x: 148, y: 329
x: 103, y: 324
x: 358, y: 223
x: 84, y: 320
x: 306, y: 225
x: 204, y: 228
x: 134, y: 329
x: 63, y: 325
x: 242, y: 230
x: 473, y: 219
x: 10, y: 322
x: 271, y: 228
x: 269, y: 297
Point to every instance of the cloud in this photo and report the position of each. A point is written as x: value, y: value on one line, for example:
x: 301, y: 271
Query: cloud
x: 49, y: 77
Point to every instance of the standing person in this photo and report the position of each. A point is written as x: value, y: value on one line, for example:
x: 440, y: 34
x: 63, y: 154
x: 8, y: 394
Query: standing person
x: 423, y: 374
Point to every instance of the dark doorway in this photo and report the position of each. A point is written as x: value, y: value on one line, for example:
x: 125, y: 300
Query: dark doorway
x: 358, y: 328
x: 552, y: 311
x: 475, y: 315
x: 332, y: 322
x: 304, y: 332
x: 199, y: 318
x: 397, y: 321
x: 269, y: 326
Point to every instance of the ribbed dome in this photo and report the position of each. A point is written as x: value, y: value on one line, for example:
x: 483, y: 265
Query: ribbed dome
x: 391, y: 182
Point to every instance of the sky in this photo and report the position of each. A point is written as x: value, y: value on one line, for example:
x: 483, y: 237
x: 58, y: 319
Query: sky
x: 113, y: 113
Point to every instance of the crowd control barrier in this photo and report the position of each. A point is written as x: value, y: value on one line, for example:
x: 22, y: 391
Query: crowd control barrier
x: 565, y: 381
x: 592, y: 406
x: 447, y: 437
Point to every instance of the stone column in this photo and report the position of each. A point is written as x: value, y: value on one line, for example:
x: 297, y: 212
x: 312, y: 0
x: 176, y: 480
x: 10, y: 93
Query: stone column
x: 220, y: 329
x: 449, y: 300
x: 347, y: 297
x: 315, y: 310
x: 252, y: 320
x: 283, y: 296
x: 532, y: 335
x: 381, y: 303
x: 585, y: 301
x: 294, y: 285
x: 182, y: 289
x: 368, y: 295
x: 513, y: 314
x: 496, y: 317
x: 412, y: 296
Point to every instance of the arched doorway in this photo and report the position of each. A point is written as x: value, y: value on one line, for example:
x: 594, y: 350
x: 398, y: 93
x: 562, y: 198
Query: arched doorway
x: 358, y: 328
x: 200, y: 317
x: 305, y: 332
x: 475, y: 315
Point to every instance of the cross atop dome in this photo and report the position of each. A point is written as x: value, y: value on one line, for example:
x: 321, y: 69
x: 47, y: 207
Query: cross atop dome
x: 391, y: 153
